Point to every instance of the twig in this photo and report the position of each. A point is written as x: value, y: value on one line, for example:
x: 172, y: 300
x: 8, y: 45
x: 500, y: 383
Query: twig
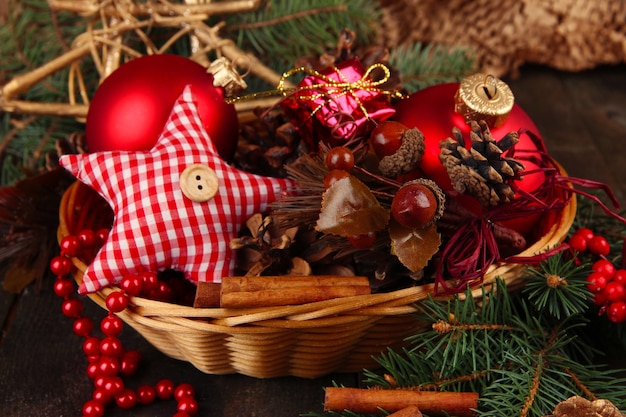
x: 293, y: 16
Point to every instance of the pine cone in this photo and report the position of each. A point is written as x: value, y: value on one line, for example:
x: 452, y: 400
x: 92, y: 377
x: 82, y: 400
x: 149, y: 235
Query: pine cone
x: 481, y: 171
x: 266, y: 144
x: 71, y: 144
x: 267, y: 249
x: 581, y: 407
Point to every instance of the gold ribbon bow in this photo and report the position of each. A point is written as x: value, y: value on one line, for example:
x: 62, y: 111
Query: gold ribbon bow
x: 336, y: 88
x: 331, y: 88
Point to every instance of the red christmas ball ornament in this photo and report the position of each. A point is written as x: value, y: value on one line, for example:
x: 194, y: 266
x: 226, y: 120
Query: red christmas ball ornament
x: 436, y: 110
x: 129, y: 109
x: 433, y: 111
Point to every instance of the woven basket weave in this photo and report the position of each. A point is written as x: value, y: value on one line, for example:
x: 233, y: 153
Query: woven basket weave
x: 309, y: 340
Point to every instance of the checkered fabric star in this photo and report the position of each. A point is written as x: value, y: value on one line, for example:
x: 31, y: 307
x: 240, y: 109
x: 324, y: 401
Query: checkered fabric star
x: 176, y: 206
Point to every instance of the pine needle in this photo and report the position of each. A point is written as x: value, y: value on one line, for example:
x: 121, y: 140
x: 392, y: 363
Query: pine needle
x: 424, y: 65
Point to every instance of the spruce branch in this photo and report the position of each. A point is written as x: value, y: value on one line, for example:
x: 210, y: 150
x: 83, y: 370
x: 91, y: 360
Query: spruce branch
x: 315, y: 25
x: 521, y: 360
x: 25, y: 45
x: 557, y: 286
x: 423, y: 65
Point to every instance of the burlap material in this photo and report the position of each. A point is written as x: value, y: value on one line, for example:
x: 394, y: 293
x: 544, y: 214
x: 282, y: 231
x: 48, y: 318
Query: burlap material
x: 569, y: 35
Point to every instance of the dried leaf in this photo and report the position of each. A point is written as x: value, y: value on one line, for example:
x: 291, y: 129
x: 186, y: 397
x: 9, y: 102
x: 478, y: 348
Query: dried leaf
x: 28, y: 266
x: 414, y: 247
x: 29, y: 216
x: 349, y: 208
x: 18, y: 277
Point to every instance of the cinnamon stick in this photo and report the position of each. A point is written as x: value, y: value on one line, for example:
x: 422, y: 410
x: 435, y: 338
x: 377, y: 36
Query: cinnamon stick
x: 207, y: 294
x: 370, y: 401
x: 245, y: 284
x: 264, y: 291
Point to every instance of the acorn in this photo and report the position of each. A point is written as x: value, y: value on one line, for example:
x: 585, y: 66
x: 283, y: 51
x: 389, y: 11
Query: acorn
x: 418, y: 204
x: 399, y: 148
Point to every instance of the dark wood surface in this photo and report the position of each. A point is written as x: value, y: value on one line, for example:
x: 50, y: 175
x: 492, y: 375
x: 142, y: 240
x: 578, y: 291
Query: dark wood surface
x: 582, y: 117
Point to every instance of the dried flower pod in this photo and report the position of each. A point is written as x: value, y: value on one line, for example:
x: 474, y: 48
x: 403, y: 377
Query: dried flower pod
x: 349, y: 208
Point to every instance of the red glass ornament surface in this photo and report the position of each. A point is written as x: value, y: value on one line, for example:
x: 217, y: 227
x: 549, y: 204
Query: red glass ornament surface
x: 131, y: 106
x: 431, y: 110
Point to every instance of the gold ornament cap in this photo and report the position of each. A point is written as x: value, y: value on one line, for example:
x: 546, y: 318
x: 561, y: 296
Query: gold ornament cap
x: 226, y: 76
x: 484, y: 97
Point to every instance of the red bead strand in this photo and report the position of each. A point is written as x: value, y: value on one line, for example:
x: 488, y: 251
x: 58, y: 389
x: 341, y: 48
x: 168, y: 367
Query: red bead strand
x: 606, y: 283
x: 107, y: 359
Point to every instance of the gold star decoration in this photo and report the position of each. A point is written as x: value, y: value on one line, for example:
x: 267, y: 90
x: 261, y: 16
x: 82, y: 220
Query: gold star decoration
x: 110, y: 24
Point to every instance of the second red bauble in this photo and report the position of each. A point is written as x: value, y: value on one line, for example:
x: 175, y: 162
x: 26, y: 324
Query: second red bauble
x: 432, y: 111
x: 129, y: 109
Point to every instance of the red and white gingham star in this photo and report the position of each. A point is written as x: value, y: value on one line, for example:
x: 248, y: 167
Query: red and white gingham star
x: 156, y: 227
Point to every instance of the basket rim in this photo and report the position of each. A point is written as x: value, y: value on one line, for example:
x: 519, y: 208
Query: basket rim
x: 399, y: 302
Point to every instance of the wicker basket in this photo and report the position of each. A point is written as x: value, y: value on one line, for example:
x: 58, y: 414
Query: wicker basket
x: 310, y: 340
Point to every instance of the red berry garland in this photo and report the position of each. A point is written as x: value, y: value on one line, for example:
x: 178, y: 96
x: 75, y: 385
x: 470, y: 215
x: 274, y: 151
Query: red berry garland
x: 107, y: 359
x: 606, y: 282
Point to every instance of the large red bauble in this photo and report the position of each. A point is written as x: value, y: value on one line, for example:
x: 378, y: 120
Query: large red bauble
x: 431, y: 110
x: 129, y: 109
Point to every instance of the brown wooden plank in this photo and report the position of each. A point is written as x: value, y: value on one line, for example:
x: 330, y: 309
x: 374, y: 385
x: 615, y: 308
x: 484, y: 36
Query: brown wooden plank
x: 582, y: 118
x: 42, y: 372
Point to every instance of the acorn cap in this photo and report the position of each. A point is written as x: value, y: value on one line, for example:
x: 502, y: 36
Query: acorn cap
x: 484, y: 97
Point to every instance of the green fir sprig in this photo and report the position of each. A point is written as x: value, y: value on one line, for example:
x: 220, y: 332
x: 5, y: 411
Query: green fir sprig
x: 557, y: 287
x: 278, y: 33
x: 522, y: 356
x: 285, y: 31
x: 31, y: 36
x: 423, y: 65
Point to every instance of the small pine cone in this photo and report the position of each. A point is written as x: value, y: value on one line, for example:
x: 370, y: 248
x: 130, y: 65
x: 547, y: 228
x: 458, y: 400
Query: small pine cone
x: 266, y: 144
x: 481, y: 171
x: 72, y: 144
x: 265, y: 248
x: 407, y: 157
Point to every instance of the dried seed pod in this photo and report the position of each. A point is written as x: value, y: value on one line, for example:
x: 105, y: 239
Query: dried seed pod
x: 581, y: 407
x: 267, y: 247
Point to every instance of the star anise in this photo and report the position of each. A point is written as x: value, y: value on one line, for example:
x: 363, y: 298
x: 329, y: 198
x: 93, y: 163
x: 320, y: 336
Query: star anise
x: 481, y: 171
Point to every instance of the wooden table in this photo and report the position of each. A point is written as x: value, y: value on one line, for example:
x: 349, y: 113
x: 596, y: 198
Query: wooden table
x: 582, y: 117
